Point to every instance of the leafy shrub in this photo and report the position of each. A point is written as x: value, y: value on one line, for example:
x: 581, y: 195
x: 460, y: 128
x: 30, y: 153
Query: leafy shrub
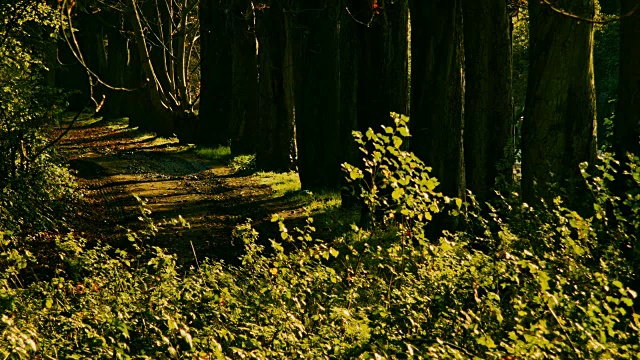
x: 243, y: 163
x: 31, y: 178
x: 531, y: 281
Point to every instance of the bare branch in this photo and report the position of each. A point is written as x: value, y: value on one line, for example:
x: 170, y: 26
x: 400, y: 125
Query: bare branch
x: 592, y: 21
x: 77, y: 53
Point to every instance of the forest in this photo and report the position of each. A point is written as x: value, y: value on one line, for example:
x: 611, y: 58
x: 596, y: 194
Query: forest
x: 370, y: 179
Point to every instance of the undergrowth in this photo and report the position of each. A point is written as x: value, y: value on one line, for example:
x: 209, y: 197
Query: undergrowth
x: 527, y: 281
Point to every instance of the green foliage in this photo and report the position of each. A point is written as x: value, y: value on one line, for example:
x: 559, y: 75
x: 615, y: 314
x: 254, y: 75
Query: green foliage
x: 534, y: 281
x: 243, y: 163
x: 31, y: 181
x: 221, y: 152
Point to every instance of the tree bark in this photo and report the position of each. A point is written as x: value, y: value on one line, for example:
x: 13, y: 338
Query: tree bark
x: 383, y: 63
x: 627, y: 121
x: 436, y: 91
x: 317, y: 93
x: 374, y: 77
x: 558, y: 131
x: 488, y: 113
x: 275, y: 123
x: 215, y: 74
x: 160, y: 118
x: 117, y: 71
x: 244, y: 108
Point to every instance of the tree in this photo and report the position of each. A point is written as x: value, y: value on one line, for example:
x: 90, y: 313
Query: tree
x: 488, y: 114
x: 627, y: 121
x: 383, y: 84
x: 123, y: 71
x: 244, y: 73
x: 436, y: 90
x: 374, y: 77
x: 316, y: 59
x: 276, y: 117
x: 559, y: 121
x: 215, y: 73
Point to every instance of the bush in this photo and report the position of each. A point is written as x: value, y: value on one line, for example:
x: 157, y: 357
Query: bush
x: 31, y: 178
x: 530, y: 281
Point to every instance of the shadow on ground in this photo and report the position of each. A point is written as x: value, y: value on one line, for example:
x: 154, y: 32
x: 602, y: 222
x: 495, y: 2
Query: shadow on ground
x: 114, y: 162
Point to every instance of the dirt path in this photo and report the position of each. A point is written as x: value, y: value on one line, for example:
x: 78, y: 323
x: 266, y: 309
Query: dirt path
x: 113, y: 162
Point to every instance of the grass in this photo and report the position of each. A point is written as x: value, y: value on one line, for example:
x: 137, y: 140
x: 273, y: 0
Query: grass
x: 324, y: 205
x: 218, y: 153
x: 280, y: 183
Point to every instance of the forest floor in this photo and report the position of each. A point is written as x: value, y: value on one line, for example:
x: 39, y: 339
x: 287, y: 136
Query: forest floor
x: 114, y: 162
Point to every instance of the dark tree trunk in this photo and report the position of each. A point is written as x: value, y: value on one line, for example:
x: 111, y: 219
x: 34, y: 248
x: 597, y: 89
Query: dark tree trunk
x: 317, y: 93
x: 117, y: 71
x: 488, y: 113
x: 244, y: 107
x: 559, y: 121
x: 349, y: 85
x: 375, y: 76
x: 91, y: 41
x: 275, y: 121
x: 436, y: 90
x: 383, y: 64
x: 215, y: 74
x: 627, y: 121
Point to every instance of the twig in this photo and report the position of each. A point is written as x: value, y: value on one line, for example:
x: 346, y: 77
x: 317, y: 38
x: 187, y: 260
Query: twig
x: 592, y: 21
x: 54, y: 141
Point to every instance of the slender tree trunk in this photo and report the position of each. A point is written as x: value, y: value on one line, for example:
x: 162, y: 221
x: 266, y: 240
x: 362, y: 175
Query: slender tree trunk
x: 276, y: 126
x: 488, y: 115
x: 627, y: 121
x: 244, y: 111
x: 559, y: 121
x: 317, y: 93
x: 215, y: 74
x: 436, y: 90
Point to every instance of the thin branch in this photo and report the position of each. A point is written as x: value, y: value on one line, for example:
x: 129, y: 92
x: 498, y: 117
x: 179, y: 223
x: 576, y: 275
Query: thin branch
x: 592, y: 21
x: 59, y: 137
x: 77, y: 54
x: 373, y: 15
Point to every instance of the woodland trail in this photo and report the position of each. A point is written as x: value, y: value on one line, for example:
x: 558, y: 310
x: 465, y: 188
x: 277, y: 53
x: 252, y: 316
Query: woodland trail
x: 114, y: 162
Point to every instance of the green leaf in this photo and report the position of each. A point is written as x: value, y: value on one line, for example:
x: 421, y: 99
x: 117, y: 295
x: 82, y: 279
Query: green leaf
x: 397, y: 142
x: 458, y: 203
x: 397, y: 193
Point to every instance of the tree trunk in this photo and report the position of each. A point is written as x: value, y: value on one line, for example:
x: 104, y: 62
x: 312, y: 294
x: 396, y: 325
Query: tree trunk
x: 117, y: 62
x: 383, y: 63
x: 488, y: 113
x: 154, y: 99
x: 558, y: 131
x: 91, y: 41
x: 349, y: 87
x: 276, y: 125
x: 627, y: 121
x: 375, y: 76
x: 215, y: 74
x: 317, y: 93
x: 436, y: 90
x: 244, y: 108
